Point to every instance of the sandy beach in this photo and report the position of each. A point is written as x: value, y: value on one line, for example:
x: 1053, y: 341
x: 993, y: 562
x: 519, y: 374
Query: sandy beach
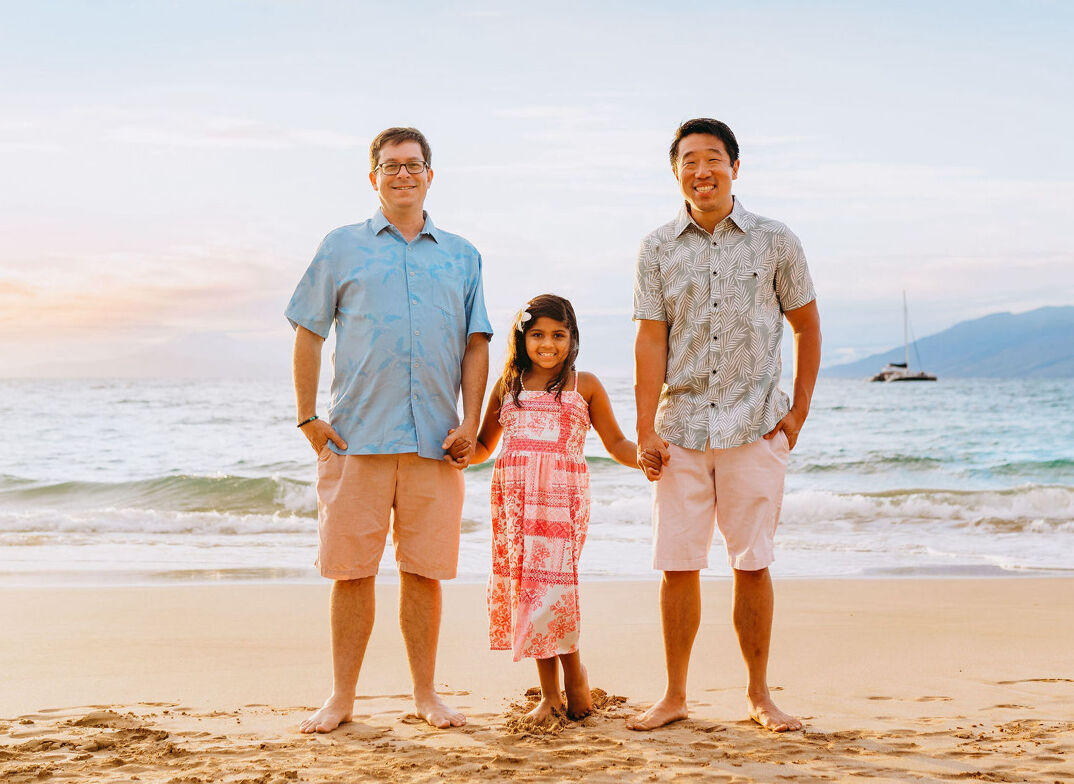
x: 896, y: 680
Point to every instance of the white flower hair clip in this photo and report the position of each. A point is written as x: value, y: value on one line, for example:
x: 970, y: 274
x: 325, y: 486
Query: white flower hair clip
x: 523, y: 317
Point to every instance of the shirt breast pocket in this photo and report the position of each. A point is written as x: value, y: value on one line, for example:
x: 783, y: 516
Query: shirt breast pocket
x: 447, y: 292
x: 754, y: 288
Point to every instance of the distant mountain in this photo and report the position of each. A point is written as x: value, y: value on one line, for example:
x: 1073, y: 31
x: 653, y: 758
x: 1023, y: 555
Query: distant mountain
x: 1035, y: 344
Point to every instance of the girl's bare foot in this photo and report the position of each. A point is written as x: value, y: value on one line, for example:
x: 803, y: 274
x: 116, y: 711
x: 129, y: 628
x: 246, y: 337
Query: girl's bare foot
x: 544, y: 711
x: 579, y: 700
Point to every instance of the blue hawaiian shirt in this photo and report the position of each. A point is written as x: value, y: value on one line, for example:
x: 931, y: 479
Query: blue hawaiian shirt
x: 403, y: 313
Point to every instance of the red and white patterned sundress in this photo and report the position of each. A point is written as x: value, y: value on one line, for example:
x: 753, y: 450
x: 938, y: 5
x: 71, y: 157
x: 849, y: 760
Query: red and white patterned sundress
x: 540, y: 513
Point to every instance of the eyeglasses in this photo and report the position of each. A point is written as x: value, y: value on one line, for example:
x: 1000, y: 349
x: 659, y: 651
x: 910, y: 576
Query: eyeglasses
x: 391, y: 169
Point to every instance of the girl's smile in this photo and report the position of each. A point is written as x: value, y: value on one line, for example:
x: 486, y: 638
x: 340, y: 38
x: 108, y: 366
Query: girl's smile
x: 548, y: 342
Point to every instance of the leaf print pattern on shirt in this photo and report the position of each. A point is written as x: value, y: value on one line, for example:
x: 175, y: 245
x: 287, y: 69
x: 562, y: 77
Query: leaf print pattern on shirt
x: 722, y: 296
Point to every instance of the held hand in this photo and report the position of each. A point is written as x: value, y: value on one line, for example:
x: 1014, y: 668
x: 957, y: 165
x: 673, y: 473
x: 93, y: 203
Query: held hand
x: 791, y: 425
x: 319, y: 433
x: 653, y: 455
x: 651, y: 447
x: 460, y: 444
x: 651, y: 464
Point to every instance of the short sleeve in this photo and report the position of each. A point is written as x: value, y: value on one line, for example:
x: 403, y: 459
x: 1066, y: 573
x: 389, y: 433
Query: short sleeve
x: 648, y: 293
x: 794, y: 286
x: 477, y: 318
x: 313, y: 305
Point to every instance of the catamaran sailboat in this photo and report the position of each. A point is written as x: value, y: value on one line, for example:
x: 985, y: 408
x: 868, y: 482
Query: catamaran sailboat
x: 900, y: 371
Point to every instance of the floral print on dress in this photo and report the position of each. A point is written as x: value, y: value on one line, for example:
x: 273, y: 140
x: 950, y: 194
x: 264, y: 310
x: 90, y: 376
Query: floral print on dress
x: 540, y: 514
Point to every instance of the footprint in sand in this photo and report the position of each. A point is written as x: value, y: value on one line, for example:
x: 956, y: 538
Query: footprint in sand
x: 1036, y: 680
x: 106, y: 719
x: 904, y: 745
x: 703, y: 744
x: 713, y: 728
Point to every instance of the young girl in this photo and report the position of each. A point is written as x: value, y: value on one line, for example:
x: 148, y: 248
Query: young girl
x: 540, y: 496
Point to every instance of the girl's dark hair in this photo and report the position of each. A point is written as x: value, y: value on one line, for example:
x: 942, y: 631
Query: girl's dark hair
x: 518, y: 361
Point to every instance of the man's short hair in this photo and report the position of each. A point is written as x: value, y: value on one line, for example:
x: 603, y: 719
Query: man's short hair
x: 398, y: 136
x: 709, y: 126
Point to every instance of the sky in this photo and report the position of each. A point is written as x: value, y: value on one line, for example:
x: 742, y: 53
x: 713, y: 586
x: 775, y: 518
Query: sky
x: 169, y: 168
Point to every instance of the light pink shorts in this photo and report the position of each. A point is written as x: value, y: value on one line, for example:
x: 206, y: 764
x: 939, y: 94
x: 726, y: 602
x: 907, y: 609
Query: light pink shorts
x: 739, y: 489
x: 357, y: 496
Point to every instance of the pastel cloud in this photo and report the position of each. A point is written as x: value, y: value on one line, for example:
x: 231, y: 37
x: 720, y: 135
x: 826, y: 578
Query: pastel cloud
x: 231, y: 133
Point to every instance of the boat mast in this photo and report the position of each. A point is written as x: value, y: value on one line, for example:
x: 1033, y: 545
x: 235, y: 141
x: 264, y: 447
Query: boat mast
x: 905, y: 331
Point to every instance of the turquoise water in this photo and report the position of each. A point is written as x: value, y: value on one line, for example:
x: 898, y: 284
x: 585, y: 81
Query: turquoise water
x: 143, y: 481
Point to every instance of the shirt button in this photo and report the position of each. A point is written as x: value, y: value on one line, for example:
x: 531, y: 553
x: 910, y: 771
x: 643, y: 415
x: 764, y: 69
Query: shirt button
x: 715, y: 337
x: 417, y: 332
x: 714, y: 370
x: 714, y: 272
x: 413, y: 302
x: 412, y: 274
x: 715, y: 304
x: 712, y: 405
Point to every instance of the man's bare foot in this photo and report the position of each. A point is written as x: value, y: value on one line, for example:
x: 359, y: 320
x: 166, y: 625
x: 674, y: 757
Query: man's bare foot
x: 436, y: 713
x: 765, y: 713
x: 664, y: 712
x: 544, y: 712
x: 579, y: 700
x: 331, y: 715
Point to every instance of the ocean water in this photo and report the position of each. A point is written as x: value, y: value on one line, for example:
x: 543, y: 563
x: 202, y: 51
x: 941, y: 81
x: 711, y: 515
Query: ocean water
x: 133, y: 481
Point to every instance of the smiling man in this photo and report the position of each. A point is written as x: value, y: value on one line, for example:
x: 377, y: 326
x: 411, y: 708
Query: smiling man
x: 711, y: 291
x: 407, y: 303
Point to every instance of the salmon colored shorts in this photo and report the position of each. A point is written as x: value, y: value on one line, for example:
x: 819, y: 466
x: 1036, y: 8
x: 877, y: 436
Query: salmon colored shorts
x: 359, y: 495
x: 738, y: 489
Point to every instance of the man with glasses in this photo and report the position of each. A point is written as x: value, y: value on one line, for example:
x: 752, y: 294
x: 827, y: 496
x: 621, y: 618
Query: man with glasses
x: 710, y: 294
x: 407, y: 302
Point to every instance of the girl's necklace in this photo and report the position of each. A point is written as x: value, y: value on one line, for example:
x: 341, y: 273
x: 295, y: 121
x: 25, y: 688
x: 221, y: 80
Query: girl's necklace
x: 522, y: 380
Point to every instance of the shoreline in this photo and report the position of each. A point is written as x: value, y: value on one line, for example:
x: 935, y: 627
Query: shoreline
x: 196, y: 578
x: 897, y: 679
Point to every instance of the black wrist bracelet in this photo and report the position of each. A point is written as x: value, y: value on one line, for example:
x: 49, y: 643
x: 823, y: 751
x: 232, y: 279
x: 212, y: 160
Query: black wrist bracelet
x: 307, y: 421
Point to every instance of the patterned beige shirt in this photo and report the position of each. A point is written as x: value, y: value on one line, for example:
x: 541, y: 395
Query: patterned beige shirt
x: 723, y: 296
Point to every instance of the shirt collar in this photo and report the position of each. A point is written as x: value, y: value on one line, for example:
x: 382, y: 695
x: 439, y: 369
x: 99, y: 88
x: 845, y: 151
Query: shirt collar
x: 740, y: 216
x: 431, y: 230
x: 380, y: 223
